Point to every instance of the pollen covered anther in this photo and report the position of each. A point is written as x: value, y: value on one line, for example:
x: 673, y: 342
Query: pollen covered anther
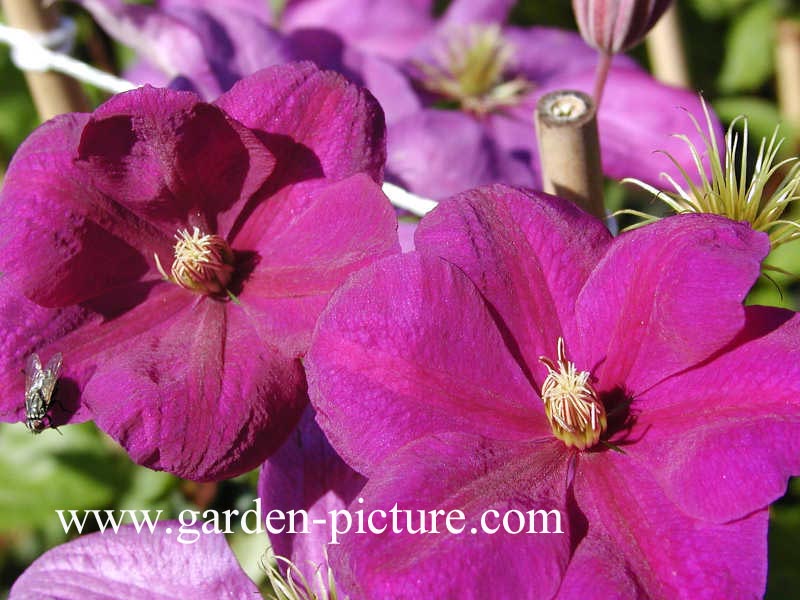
x: 471, y: 69
x: 576, y: 415
x: 203, y: 262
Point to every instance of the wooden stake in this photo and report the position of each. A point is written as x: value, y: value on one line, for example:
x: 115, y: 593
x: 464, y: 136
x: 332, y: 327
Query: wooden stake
x: 569, y: 149
x: 665, y: 50
x: 53, y: 93
x: 787, y: 66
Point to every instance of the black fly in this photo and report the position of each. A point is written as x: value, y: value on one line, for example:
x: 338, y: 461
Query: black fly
x: 39, y: 386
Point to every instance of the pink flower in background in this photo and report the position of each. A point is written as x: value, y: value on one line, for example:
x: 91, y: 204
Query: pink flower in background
x: 178, y: 253
x: 522, y: 359
x: 458, y: 91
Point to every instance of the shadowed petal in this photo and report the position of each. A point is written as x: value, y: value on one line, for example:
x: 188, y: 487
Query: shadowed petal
x: 666, y: 297
x: 378, y: 349
x: 529, y: 254
x: 50, y: 223
x: 451, y: 472
x: 171, y: 159
x: 200, y: 394
x: 671, y: 554
x: 741, y: 414
x: 128, y: 564
x: 312, y: 118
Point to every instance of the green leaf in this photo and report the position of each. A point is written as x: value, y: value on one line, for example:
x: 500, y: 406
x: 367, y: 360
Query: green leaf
x: 45, y: 472
x: 749, y: 58
x: 717, y: 9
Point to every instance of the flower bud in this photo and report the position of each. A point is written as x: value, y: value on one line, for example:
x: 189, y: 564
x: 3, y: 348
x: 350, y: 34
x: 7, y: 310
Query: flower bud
x: 613, y: 26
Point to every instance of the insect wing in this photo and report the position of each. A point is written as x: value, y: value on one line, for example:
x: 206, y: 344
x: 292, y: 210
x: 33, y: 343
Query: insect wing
x: 33, y: 371
x: 51, y: 374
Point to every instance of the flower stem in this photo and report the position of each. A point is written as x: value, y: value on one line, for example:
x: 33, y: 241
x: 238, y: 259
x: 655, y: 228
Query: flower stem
x: 603, y: 67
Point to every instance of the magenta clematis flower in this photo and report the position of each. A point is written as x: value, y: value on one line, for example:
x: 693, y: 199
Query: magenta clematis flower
x: 172, y: 561
x: 307, y: 474
x: 178, y: 253
x: 488, y: 76
x: 522, y: 360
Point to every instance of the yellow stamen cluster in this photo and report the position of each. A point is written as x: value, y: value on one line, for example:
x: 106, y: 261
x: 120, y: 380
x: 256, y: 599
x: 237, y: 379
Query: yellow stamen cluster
x: 576, y: 415
x: 203, y: 262
x: 729, y: 192
x: 470, y: 69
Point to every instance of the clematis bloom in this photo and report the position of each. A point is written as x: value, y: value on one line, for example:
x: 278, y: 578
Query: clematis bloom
x: 178, y: 253
x: 522, y: 360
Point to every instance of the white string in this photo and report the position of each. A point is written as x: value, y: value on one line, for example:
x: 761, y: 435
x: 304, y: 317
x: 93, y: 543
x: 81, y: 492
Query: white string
x: 407, y: 201
x: 47, y: 51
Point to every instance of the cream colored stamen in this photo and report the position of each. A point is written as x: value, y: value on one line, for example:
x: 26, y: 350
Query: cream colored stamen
x: 471, y: 68
x: 203, y: 262
x: 576, y: 415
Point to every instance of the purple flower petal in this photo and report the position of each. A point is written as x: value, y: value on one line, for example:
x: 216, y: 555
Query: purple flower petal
x: 129, y: 564
x: 680, y: 304
x: 384, y: 27
x: 495, y: 235
x: 287, y: 281
x: 467, y: 12
x: 544, y: 53
x: 312, y: 118
x: 172, y: 159
x: 450, y: 472
x: 213, y: 46
x: 671, y: 554
x: 83, y: 258
x: 741, y: 414
x: 384, y: 80
x: 438, y: 153
x: 214, y: 416
x: 415, y: 302
x: 307, y: 474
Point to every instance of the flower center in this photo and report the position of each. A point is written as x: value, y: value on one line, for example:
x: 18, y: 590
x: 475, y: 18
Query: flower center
x: 203, y: 262
x: 470, y: 69
x: 576, y: 415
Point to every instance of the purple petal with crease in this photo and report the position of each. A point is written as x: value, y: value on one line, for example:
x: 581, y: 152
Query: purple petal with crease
x: 450, y: 472
x: 671, y: 554
x: 531, y: 280
x: 679, y: 306
x: 314, y: 118
x: 415, y: 302
x: 700, y: 413
x: 383, y: 27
